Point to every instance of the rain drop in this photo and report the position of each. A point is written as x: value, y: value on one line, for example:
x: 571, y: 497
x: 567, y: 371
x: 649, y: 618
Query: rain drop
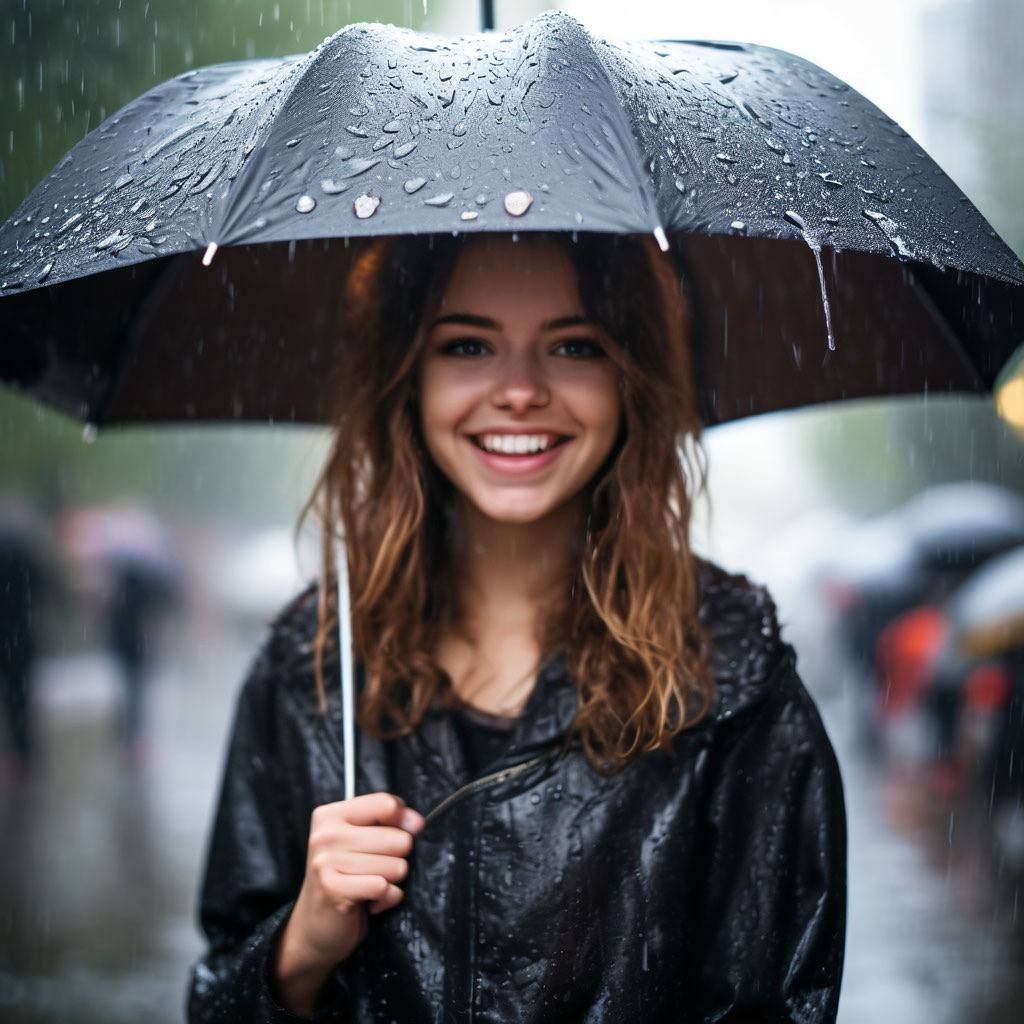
x: 442, y: 199
x: 365, y: 206
x: 331, y: 187
x: 305, y: 204
x: 89, y: 433
x: 404, y: 149
x: 125, y: 179
x: 361, y: 166
x: 414, y: 185
x: 44, y: 273
x: 725, y: 158
x: 737, y: 227
x: 517, y: 203
x: 469, y: 215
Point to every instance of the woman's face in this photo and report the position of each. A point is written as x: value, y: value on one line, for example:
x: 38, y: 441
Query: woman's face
x: 519, y: 404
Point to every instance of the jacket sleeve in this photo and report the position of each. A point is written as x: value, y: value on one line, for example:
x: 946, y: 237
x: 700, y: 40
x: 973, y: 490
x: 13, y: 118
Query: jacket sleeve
x: 774, y: 903
x: 255, y: 861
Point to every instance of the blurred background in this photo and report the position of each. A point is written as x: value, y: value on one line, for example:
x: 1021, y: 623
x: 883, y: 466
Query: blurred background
x: 138, y: 568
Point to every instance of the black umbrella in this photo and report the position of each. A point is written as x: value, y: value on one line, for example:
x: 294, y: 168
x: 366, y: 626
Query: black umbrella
x: 829, y: 256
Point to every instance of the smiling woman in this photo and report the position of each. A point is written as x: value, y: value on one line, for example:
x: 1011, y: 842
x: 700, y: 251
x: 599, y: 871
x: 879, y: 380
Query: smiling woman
x: 626, y: 805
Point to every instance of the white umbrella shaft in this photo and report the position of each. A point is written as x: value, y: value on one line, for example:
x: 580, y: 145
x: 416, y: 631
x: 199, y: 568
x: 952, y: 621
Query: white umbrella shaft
x: 348, y: 728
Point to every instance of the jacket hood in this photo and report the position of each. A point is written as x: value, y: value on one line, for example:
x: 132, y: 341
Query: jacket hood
x: 741, y: 624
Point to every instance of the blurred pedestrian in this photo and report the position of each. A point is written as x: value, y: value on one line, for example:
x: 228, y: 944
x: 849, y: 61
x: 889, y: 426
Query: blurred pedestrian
x: 21, y: 594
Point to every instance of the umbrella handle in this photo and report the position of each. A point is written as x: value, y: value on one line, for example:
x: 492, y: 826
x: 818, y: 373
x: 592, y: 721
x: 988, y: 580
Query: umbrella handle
x: 348, y: 729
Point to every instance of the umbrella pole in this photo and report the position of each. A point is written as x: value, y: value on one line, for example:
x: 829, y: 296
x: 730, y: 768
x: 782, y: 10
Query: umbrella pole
x: 348, y: 728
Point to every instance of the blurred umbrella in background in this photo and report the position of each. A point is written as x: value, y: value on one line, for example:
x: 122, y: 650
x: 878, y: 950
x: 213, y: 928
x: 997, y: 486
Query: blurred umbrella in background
x: 961, y: 525
x: 986, y: 614
x: 120, y: 536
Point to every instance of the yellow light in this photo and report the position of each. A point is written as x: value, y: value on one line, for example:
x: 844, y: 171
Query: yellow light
x: 1010, y: 402
x: 1009, y: 392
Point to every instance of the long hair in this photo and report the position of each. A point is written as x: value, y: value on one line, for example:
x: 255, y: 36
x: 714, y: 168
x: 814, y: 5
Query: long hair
x: 627, y: 616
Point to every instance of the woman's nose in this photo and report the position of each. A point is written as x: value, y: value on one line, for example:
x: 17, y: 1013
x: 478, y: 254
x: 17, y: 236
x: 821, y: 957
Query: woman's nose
x: 521, y: 384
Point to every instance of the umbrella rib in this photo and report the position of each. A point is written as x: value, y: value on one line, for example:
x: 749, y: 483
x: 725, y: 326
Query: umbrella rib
x: 247, y: 170
x: 625, y: 132
x: 946, y: 329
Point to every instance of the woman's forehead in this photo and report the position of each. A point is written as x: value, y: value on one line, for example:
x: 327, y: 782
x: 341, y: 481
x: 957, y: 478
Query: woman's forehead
x: 494, y: 269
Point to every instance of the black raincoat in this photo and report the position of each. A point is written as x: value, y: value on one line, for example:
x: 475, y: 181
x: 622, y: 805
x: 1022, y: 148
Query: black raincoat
x: 706, y: 887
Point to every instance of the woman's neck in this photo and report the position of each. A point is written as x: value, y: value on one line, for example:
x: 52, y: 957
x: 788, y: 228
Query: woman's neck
x: 507, y: 572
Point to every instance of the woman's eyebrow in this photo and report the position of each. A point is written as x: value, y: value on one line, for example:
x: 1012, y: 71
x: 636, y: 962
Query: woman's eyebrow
x: 473, y: 320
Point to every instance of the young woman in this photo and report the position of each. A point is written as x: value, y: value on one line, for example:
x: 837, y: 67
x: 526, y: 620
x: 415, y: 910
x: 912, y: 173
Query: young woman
x: 592, y: 785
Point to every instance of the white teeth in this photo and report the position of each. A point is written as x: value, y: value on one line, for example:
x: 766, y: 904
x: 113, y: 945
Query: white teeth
x: 516, y: 444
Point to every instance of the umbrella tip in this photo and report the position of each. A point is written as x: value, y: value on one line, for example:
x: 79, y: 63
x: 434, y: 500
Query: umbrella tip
x: 211, y: 251
x: 660, y: 238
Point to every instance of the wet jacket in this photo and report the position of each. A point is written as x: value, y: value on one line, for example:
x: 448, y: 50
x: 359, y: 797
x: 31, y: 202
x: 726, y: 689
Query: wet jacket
x: 706, y: 887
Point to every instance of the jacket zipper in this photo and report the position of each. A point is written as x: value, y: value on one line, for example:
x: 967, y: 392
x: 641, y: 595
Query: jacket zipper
x: 485, y: 780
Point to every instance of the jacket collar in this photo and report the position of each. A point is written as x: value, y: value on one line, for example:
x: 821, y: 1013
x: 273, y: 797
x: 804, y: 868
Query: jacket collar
x: 745, y: 648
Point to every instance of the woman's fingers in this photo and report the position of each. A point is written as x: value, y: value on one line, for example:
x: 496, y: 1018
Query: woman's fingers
x: 349, y: 862
x: 392, y: 898
x: 376, y: 809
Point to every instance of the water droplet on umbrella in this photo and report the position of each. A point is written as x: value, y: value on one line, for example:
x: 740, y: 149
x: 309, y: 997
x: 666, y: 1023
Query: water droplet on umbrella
x: 393, y: 126
x: 518, y: 202
x: 343, y: 151
x: 469, y: 215
x: 354, y: 129
x: 404, y: 149
x: 44, y: 273
x: 459, y: 129
x: 112, y: 240
x: 891, y: 230
x: 728, y: 77
x: 481, y: 200
x: 125, y: 179
x: 826, y: 177
x: 737, y: 227
x: 305, y: 204
x: 365, y: 206
x: 360, y: 166
x: 442, y: 199
x: 211, y: 251
x: 414, y: 185
x: 796, y: 220
x: 291, y: 143
x: 331, y: 187
x: 725, y: 158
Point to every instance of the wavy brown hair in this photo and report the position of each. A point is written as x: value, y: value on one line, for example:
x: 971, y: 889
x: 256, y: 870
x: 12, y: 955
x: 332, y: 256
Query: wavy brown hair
x: 626, y: 618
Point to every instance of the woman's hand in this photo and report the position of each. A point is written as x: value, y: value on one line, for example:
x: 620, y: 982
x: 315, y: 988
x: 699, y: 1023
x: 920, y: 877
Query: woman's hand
x: 355, y: 857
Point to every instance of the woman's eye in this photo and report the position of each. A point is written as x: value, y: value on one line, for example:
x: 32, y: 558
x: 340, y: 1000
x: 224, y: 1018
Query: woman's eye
x: 580, y: 348
x: 464, y: 347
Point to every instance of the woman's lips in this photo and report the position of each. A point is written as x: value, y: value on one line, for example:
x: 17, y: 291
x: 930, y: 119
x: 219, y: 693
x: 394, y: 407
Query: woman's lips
x: 519, y: 464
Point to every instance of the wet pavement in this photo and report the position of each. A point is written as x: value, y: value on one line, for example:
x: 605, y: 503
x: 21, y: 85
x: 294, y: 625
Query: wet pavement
x: 101, y: 856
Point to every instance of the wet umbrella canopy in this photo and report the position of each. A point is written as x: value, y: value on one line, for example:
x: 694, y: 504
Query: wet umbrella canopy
x: 829, y: 257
